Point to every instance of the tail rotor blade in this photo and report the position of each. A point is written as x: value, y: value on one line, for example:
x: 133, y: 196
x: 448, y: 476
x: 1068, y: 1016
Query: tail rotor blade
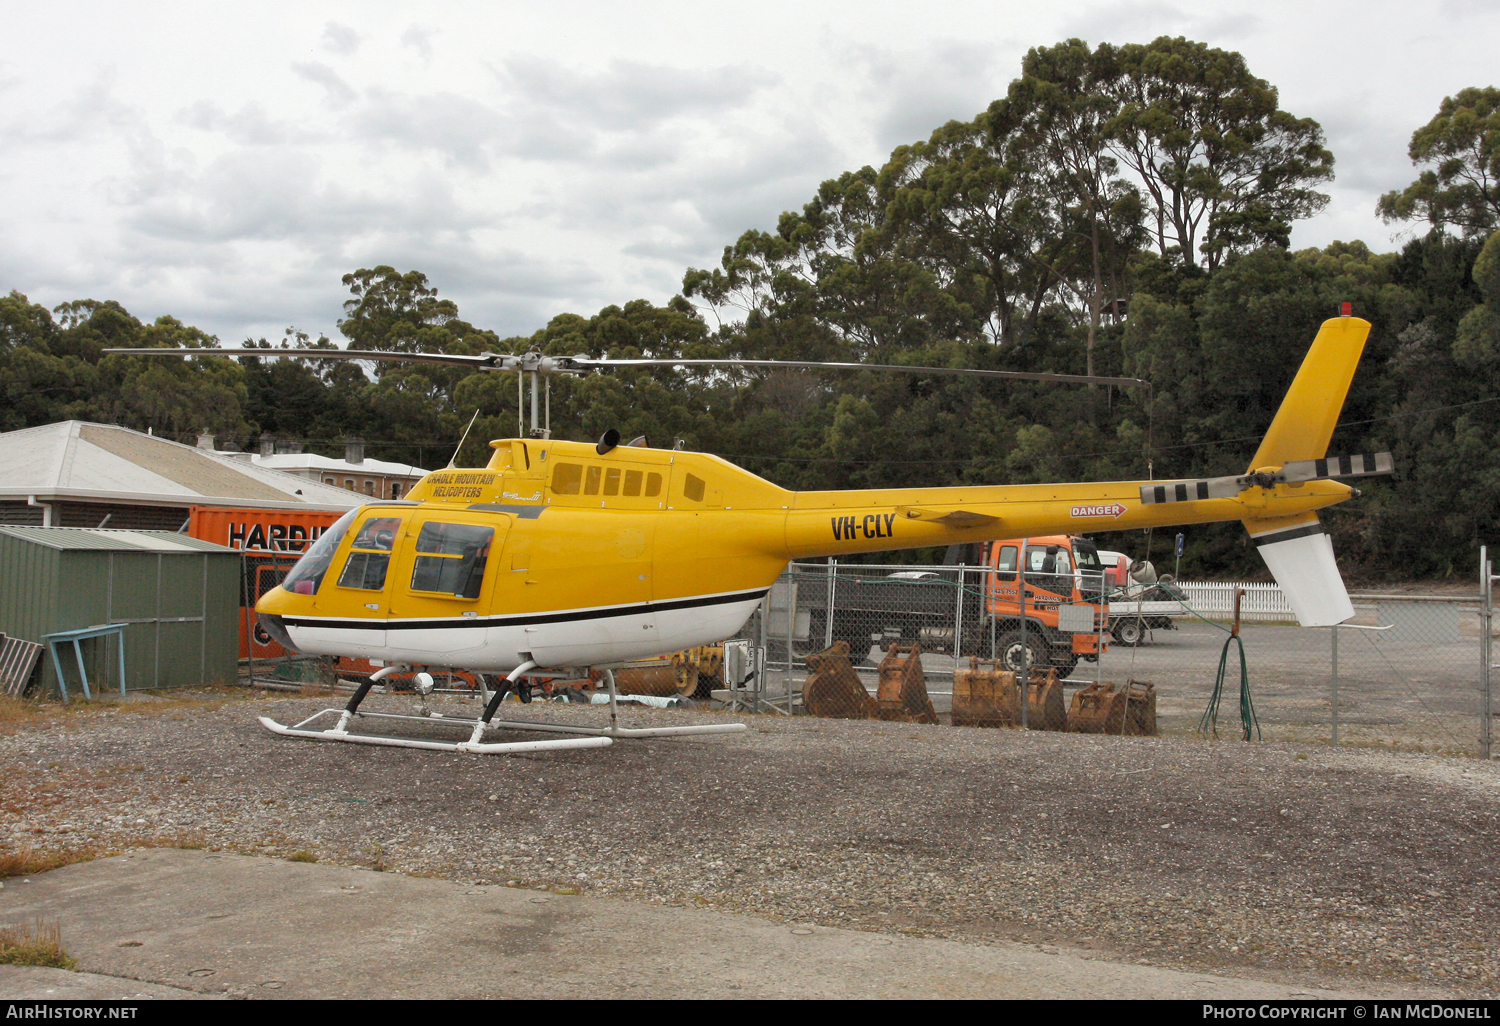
x: 1365, y: 465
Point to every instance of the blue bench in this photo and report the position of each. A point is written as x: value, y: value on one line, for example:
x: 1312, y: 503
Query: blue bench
x: 103, y: 630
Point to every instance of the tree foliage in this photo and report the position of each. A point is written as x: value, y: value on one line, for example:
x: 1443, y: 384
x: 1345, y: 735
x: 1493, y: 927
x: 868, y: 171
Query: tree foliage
x: 1461, y: 186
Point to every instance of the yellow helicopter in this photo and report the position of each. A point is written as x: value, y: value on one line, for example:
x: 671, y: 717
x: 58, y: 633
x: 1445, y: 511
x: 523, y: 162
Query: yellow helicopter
x: 562, y: 557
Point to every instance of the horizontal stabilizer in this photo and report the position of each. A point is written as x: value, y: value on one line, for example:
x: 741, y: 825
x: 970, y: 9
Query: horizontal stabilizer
x: 1300, y: 557
x: 948, y: 517
x: 1365, y: 465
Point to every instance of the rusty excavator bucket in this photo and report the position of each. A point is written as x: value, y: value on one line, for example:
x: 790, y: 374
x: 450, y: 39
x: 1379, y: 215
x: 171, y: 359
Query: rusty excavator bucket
x: 1109, y: 709
x: 985, y: 697
x: 833, y: 688
x: 1044, y: 701
x: 902, y: 694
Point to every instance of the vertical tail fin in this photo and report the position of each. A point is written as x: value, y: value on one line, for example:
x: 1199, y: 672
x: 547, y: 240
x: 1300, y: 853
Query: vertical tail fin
x: 1299, y: 554
x: 1304, y: 424
x: 1297, y: 549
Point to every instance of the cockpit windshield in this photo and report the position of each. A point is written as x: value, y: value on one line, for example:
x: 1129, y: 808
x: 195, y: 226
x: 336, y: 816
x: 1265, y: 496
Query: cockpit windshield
x: 307, y: 573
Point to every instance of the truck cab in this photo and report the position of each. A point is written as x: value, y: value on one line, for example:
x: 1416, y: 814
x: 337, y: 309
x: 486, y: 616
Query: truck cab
x: 1063, y: 575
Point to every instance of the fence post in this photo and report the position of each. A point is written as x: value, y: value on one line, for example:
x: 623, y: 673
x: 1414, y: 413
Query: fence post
x: 958, y: 616
x: 1486, y: 650
x: 1334, y: 697
x: 833, y: 584
x: 791, y: 629
x: 1025, y: 674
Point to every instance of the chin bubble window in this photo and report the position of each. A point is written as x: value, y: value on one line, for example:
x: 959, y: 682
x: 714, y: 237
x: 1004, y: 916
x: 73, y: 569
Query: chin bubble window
x: 451, y: 559
x: 370, y: 554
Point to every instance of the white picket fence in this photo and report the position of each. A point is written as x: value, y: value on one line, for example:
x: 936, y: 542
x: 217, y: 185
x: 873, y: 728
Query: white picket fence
x: 1215, y: 600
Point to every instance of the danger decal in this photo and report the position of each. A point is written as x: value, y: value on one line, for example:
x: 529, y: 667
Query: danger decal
x: 871, y: 526
x: 1113, y: 509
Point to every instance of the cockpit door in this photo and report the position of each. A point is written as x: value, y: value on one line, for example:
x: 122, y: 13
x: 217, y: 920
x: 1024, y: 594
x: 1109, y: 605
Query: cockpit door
x: 442, y: 584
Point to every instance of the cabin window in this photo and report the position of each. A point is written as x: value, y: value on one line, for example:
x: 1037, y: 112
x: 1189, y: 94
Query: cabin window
x: 632, y: 482
x: 591, y: 480
x: 370, y: 554
x: 1005, y: 568
x: 308, y: 573
x: 567, y: 478
x: 653, y: 485
x: 692, y: 488
x: 612, y: 481
x: 451, y: 559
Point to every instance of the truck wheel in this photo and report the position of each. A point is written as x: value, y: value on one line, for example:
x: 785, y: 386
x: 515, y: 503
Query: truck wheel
x: 1010, y: 651
x: 1129, y: 632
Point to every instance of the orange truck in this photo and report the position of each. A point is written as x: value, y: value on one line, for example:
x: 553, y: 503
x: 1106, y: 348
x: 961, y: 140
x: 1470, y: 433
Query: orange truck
x: 1064, y: 604
x: 1061, y: 622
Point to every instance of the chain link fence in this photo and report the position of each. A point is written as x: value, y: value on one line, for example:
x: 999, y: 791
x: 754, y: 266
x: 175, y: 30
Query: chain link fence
x: 1409, y: 672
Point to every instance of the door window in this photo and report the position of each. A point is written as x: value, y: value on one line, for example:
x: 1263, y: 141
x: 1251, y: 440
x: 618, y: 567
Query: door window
x: 451, y: 559
x: 370, y: 554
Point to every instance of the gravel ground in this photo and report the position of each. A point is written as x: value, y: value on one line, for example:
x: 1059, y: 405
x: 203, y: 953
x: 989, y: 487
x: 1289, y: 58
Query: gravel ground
x: 1271, y: 860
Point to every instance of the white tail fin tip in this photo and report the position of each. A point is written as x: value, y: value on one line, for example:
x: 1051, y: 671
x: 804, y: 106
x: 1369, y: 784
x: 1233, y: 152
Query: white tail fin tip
x: 1301, y: 560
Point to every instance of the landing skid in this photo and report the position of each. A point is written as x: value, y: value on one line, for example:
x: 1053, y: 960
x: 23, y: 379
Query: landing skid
x: 592, y: 737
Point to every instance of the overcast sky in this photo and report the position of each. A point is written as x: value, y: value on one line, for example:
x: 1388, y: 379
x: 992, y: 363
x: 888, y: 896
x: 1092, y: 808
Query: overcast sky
x: 228, y: 165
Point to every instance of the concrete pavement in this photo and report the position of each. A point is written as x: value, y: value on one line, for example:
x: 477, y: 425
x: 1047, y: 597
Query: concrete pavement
x: 267, y: 928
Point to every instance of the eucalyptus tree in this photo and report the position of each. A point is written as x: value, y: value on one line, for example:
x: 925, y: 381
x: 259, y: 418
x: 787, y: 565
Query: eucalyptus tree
x: 969, y: 205
x: 1461, y: 187
x: 1224, y: 169
x: 1066, y: 115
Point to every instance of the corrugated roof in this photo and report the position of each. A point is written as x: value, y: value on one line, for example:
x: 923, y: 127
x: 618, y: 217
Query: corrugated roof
x: 92, y: 462
x: 75, y: 538
x: 312, y: 461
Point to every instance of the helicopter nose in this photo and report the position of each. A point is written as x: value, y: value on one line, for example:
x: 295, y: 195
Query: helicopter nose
x: 277, y: 630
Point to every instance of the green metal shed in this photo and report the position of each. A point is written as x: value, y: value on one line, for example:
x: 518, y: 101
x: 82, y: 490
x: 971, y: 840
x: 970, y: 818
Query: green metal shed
x: 178, y: 596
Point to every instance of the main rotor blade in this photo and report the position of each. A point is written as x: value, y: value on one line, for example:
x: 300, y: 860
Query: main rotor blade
x: 484, y: 361
x: 537, y: 363
x: 1079, y: 379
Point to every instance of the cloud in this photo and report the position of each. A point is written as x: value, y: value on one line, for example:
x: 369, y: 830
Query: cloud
x: 340, y: 39
x: 339, y: 91
x: 248, y: 126
x: 463, y: 130
x: 419, y: 38
x: 630, y: 95
x: 916, y: 91
x: 542, y: 111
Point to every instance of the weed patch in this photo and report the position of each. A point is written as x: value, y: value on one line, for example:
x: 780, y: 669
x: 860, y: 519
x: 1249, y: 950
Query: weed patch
x: 35, y: 944
x: 28, y: 861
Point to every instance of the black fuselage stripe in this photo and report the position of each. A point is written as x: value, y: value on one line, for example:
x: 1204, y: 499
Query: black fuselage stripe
x: 1287, y: 535
x: 527, y: 619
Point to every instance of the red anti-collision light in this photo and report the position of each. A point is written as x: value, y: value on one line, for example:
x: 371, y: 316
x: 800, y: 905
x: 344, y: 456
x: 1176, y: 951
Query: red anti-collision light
x: 1346, y: 310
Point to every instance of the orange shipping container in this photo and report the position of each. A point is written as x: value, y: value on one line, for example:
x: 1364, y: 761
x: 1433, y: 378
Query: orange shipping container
x: 271, y: 540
